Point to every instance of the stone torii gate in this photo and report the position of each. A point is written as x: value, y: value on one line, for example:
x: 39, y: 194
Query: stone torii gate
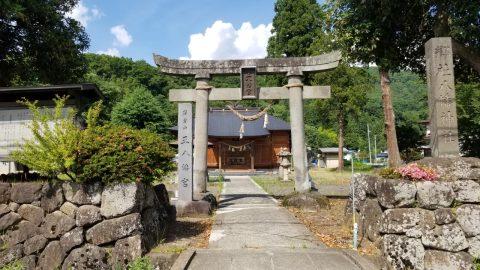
x: 293, y: 67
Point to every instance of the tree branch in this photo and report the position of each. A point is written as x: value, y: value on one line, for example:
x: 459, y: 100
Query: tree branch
x: 471, y: 57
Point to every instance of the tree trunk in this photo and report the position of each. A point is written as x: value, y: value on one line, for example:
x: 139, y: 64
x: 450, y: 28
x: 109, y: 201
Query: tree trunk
x: 341, y: 127
x: 392, y: 145
x: 467, y: 54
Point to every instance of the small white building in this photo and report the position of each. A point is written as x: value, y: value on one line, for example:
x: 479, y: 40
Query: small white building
x: 328, y: 157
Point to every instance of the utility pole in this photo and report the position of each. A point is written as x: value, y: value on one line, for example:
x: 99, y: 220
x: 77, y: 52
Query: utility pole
x: 375, y: 148
x: 369, y: 147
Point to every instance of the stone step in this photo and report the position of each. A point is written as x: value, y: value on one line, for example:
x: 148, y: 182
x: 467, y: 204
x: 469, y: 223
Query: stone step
x: 279, y: 258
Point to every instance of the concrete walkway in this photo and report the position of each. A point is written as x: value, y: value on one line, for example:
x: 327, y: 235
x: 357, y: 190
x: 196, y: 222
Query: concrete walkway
x: 253, y: 232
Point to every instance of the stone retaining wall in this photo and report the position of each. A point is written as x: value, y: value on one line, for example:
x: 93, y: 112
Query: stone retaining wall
x: 79, y: 226
x: 424, y: 225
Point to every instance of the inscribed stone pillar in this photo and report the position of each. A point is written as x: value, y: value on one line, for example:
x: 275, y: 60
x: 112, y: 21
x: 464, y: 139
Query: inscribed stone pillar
x: 185, y: 157
x: 201, y: 136
x: 298, y: 132
x: 441, y: 98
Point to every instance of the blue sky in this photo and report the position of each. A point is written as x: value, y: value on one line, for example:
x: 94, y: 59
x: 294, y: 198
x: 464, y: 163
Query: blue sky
x: 136, y: 29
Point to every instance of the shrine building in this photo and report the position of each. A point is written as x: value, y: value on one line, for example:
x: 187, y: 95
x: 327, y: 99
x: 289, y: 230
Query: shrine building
x: 257, y: 147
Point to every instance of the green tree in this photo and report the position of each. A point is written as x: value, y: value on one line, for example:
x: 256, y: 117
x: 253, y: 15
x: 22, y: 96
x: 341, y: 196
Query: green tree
x: 113, y: 68
x: 39, y: 44
x: 140, y: 109
x: 459, y: 20
x: 349, y: 87
x: 317, y: 137
x: 296, y: 25
x: 468, y: 105
x: 379, y: 32
x: 119, y: 76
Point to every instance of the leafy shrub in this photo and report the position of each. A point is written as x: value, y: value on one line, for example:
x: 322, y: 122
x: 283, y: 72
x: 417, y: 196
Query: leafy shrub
x: 51, y: 151
x: 122, y: 154
x: 476, y: 263
x: 416, y: 172
x: 98, y: 153
x: 389, y: 173
x: 141, y: 263
x: 358, y: 166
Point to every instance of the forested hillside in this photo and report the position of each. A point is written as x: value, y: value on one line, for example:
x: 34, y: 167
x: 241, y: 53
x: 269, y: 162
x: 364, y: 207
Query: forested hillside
x: 129, y: 84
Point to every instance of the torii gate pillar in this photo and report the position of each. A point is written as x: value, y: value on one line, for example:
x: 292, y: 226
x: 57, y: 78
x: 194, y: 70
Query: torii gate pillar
x: 200, y: 141
x: 297, y: 125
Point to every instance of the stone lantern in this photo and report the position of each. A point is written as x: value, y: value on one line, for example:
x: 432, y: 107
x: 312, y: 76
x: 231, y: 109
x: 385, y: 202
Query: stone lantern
x: 284, y: 164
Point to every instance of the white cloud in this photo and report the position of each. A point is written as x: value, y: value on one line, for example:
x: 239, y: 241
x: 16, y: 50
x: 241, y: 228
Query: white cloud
x: 110, y: 51
x: 122, y: 37
x: 84, y: 14
x: 223, y: 41
x: 96, y: 12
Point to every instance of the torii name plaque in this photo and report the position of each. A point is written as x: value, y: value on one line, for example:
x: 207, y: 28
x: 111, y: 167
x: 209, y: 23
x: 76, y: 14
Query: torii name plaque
x: 248, y: 82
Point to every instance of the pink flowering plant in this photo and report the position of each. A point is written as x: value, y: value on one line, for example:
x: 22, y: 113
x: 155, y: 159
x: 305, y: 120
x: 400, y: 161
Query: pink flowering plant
x: 416, y: 172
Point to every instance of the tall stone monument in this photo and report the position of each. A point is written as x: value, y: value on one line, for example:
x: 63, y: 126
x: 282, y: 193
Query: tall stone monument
x: 185, y: 155
x: 441, y: 98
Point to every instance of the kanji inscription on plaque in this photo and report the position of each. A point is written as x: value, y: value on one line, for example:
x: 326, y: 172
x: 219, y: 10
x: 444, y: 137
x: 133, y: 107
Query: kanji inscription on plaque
x: 249, y: 83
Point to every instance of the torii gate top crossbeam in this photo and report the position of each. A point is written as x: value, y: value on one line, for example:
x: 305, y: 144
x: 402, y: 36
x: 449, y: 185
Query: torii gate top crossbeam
x: 263, y: 66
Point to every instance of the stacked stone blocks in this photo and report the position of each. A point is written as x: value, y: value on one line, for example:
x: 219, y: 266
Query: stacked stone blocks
x: 424, y: 224
x: 79, y: 226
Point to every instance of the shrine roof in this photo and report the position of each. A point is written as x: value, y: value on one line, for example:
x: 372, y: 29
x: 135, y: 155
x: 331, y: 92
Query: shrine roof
x: 223, y: 123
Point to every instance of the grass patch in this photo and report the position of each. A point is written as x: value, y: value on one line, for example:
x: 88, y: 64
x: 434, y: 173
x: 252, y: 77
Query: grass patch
x: 476, y: 263
x: 273, y: 185
x: 169, y: 249
x: 323, y: 176
x: 214, y: 179
x: 141, y: 263
x: 15, y: 265
x: 215, y: 188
